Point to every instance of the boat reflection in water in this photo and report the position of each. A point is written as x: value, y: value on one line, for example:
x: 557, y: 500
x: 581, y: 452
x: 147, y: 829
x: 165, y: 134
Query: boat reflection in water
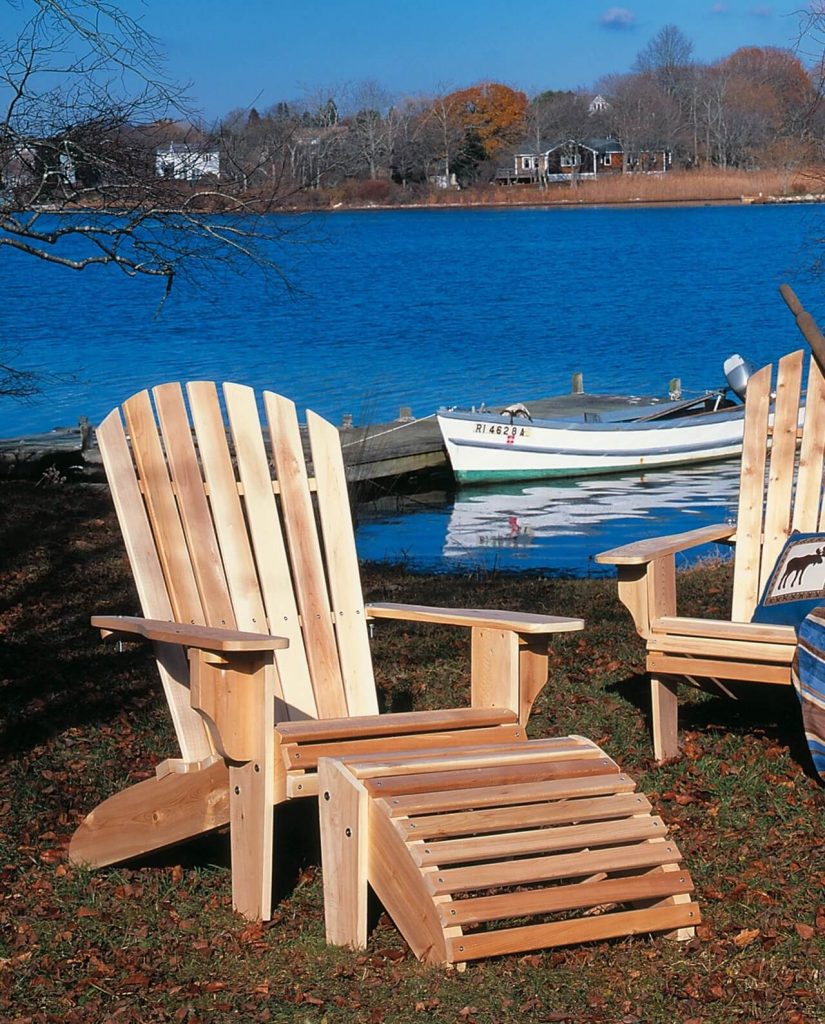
x: 565, y: 524
x: 554, y: 527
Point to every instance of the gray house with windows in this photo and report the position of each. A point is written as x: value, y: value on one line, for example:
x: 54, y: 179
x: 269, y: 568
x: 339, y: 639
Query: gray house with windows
x: 588, y: 158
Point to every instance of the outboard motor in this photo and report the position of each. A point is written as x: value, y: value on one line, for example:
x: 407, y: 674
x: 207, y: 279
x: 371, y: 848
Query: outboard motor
x: 737, y: 371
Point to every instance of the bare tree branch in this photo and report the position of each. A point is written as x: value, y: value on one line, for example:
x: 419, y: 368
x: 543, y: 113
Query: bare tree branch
x: 86, y: 107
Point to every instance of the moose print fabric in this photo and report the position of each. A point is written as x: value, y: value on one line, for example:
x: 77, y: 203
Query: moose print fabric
x: 797, y: 584
x: 808, y: 674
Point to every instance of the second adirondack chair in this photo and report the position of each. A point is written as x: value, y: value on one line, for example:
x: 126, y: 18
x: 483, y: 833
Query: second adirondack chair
x: 249, y: 584
x: 780, y: 492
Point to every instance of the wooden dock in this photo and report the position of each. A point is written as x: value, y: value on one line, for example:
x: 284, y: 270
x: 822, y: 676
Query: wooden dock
x: 407, y: 451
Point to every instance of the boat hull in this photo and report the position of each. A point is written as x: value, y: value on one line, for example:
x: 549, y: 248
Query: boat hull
x: 489, y: 448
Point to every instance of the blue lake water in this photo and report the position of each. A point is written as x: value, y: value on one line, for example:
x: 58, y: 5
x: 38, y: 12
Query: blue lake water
x: 427, y: 308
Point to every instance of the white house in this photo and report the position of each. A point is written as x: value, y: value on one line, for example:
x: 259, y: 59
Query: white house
x: 184, y: 162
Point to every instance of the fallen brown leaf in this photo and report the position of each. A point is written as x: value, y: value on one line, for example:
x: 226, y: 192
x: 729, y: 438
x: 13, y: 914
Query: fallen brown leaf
x: 746, y: 937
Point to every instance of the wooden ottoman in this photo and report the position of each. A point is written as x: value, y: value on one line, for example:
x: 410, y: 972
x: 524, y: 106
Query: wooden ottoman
x: 476, y: 852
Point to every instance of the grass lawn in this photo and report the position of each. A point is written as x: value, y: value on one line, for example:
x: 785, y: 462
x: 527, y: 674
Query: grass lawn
x: 158, y: 941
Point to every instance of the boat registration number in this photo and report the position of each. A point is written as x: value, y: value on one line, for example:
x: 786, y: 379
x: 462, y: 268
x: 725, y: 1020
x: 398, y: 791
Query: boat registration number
x: 508, y: 430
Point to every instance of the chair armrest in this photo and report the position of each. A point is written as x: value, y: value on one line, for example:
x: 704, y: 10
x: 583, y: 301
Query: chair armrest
x: 641, y: 551
x: 509, y: 656
x: 206, y: 638
x: 518, y: 622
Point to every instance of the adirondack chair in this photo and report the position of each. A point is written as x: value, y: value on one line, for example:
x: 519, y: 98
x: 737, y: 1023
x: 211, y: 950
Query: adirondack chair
x: 251, y: 595
x: 779, y: 492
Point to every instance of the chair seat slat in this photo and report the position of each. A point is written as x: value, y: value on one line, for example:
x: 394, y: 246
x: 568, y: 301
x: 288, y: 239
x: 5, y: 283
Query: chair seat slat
x: 396, y: 723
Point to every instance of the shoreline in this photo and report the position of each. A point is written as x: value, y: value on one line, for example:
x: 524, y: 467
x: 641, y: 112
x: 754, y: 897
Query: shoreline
x: 564, y: 204
x: 487, y: 198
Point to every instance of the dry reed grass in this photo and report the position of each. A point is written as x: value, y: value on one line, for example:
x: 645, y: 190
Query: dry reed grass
x: 674, y: 187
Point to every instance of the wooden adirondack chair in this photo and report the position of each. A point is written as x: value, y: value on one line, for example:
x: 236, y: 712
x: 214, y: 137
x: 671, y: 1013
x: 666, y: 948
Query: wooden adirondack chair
x: 779, y: 492
x: 250, y: 589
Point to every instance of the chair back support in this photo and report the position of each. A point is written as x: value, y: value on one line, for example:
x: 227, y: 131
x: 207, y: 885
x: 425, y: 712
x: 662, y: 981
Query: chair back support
x: 221, y: 533
x: 781, y: 476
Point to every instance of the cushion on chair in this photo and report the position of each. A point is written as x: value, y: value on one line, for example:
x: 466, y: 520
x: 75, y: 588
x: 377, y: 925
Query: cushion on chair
x: 797, y: 583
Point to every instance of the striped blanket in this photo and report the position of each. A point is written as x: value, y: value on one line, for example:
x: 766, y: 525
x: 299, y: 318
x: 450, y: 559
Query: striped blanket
x: 808, y: 675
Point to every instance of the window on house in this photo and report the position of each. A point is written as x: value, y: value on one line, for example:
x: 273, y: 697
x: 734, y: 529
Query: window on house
x: 569, y: 161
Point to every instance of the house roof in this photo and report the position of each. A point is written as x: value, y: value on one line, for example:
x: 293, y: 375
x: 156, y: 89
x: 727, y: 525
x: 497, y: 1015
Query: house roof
x: 185, y: 148
x: 608, y: 145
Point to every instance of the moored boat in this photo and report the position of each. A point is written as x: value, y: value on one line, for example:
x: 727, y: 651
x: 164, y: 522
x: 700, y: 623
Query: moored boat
x: 485, y: 447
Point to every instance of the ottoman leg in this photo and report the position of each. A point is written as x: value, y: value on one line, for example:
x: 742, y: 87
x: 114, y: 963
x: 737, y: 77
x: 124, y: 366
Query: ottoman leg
x: 342, y: 804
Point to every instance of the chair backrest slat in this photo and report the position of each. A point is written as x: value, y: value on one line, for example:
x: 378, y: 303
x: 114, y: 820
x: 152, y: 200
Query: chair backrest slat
x: 227, y: 511
x: 269, y: 549
x: 193, y: 506
x: 782, y: 458
x: 305, y: 556
x: 162, y: 509
x: 751, y: 496
x: 342, y: 567
x: 808, y: 508
x: 141, y: 550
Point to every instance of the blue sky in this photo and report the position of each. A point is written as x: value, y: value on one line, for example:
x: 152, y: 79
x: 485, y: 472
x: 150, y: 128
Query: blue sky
x: 257, y: 52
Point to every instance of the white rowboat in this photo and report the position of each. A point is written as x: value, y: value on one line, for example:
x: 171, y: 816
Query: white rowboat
x: 488, y: 447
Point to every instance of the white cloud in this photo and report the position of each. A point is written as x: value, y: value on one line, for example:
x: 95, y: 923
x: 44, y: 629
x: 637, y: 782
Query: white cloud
x: 719, y: 8
x: 618, y: 18
x: 761, y: 11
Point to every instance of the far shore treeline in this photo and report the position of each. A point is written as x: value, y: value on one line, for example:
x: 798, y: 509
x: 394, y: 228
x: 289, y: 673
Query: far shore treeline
x: 714, y: 128
x: 758, y: 109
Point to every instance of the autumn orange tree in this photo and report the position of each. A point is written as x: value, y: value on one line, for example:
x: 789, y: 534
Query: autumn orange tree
x: 493, y: 112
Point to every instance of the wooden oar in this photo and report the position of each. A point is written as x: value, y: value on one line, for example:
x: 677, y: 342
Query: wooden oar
x: 806, y: 324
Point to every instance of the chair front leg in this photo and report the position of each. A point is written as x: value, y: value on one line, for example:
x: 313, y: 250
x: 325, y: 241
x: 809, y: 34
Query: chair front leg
x: 343, y: 809
x: 665, y: 709
x: 237, y: 697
